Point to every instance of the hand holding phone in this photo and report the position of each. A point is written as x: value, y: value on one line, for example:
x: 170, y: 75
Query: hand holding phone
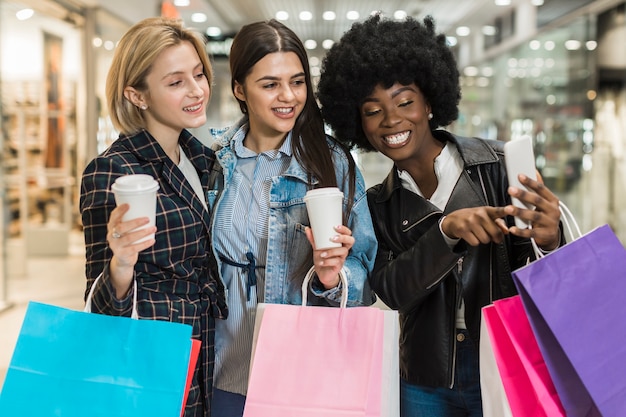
x: 520, y: 159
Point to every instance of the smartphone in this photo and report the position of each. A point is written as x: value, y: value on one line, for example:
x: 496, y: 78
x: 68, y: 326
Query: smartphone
x: 520, y: 159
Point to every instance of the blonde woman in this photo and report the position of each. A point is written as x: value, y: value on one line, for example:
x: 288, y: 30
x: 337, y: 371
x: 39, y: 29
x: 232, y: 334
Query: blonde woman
x: 157, y: 87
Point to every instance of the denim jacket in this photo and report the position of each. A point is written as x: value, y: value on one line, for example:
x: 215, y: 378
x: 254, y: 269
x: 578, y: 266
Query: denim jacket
x: 288, y: 247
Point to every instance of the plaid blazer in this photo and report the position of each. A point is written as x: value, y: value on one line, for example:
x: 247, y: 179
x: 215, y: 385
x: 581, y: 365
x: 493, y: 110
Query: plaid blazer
x: 173, y: 276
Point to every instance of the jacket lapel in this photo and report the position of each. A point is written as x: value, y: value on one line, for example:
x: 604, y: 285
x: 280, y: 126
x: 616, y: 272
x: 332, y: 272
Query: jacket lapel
x: 148, y: 149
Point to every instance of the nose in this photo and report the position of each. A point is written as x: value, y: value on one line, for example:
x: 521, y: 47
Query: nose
x: 195, y: 89
x: 286, y: 94
x: 391, y: 118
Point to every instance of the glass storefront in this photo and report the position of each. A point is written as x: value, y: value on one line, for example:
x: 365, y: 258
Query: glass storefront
x: 40, y: 77
x: 547, y: 88
x: 49, y: 72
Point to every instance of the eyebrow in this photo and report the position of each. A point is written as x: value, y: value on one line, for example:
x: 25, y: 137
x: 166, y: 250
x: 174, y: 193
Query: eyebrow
x: 274, y: 78
x: 393, y: 95
x: 169, y: 74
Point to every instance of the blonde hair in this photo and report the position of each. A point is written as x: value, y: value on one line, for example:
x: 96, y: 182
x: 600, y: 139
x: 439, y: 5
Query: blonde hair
x: 133, y: 59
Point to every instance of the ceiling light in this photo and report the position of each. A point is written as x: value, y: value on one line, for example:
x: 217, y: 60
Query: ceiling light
x: 97, y: 42
x: 352, y: 15
x: 489, y: 30
x: 470, y: 71
x: 451, y: 40
x: 314, y: 61
x: 109, y: 45
x: 591, y: 45
x: 502, y: 2
x: 282, y: 15
x: 534, y: 45
x: 213, y: 31
x: 310, y: 44
x: 181, y: 3
x: 198, y: 17
x: 328, y: 43
x: 537, y: 2
x: 572, y: 45
x: 24, y: 14
x: 549, y: 45
x: 462, y: 31
x: 305, y: 15
x: 329, y: 15
x: 399, y: 15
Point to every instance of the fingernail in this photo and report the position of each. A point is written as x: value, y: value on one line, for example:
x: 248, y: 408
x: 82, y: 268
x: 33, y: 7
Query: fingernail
x: 324, y: 254
x: 334, y: 238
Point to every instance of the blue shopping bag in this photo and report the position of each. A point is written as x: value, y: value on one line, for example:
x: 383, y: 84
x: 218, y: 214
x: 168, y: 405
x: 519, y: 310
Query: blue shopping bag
x: 74, y: 364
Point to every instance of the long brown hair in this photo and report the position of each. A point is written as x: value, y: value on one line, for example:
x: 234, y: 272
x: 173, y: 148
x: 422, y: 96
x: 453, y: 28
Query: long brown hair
x: 309, y: 145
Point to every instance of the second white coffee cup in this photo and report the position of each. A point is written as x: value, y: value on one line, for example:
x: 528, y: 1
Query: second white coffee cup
x: 139, y: 191
x: 325, y: 208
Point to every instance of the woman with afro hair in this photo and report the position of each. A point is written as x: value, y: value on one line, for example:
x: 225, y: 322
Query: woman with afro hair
x: 443, y: 216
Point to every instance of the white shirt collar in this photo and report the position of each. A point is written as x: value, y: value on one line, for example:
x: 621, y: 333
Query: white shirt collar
x: 448, y: 168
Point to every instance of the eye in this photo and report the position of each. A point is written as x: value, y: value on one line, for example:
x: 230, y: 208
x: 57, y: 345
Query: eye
x: 200, y: 75
x: 175, y: 83
x: 405, y: 103
x: 372, y: 112
x: 269, y: 86
x: 299, y: 82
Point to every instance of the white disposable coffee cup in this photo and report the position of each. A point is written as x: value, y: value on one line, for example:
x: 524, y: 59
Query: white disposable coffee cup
x: 324, y: 206
x: 139, y: 191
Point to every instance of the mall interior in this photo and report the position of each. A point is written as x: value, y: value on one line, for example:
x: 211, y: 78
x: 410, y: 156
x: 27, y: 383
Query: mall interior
x: 554, y: 70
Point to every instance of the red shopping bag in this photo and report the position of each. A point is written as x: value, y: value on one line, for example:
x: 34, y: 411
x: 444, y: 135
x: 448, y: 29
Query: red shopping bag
x: 529, y: 388
x: 312, y: 361
x: 193, y: 360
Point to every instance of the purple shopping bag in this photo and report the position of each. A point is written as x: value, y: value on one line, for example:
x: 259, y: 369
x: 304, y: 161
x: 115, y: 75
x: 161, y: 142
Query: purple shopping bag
x: 574, y: 298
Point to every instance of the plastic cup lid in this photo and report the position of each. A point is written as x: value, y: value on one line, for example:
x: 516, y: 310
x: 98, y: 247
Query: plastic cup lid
x: 323, y: 192
x: 134, y: 183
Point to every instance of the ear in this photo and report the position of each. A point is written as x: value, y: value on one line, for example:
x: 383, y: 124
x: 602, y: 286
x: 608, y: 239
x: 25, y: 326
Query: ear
x: 135, y: 97
x: 239, y: 91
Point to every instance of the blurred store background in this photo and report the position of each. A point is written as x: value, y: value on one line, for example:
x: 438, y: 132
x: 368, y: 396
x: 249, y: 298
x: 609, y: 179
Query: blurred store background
x: 551, y: 69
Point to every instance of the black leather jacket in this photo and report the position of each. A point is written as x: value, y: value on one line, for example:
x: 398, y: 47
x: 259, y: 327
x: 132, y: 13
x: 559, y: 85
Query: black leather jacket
x: 418, y: 274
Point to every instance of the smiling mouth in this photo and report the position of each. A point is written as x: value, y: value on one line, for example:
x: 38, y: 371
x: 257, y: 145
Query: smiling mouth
x: 397, y: 139
x: 283, y: 110
x: 192, y: 108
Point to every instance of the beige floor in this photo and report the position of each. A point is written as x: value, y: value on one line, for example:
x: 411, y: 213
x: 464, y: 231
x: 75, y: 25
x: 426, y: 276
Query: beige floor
x: 53, y: 280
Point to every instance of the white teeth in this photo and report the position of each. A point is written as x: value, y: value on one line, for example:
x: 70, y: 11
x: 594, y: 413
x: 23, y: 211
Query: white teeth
x: 193, y: 108
x: 283, y: 110
x: 397, y: 138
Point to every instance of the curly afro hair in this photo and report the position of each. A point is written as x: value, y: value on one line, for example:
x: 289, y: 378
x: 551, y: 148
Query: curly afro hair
x: 383, y: 51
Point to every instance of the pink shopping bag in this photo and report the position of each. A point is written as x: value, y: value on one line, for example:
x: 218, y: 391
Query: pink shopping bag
x: 314, y: 361
x: 527, y: 383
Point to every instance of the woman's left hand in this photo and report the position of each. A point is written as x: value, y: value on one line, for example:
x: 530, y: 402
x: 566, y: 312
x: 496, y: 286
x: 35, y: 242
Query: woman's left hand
x: 328, y: 262
x: 544, y: 218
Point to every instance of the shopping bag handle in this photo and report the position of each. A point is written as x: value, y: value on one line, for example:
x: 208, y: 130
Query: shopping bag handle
x: 344, y: 287
x: 133, y: 314
x: 566, y: 218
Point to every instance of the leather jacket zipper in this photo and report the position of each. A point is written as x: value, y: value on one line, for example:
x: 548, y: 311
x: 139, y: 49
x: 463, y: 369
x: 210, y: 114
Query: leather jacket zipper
x: 459, y: 270
x: 442, y: 276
